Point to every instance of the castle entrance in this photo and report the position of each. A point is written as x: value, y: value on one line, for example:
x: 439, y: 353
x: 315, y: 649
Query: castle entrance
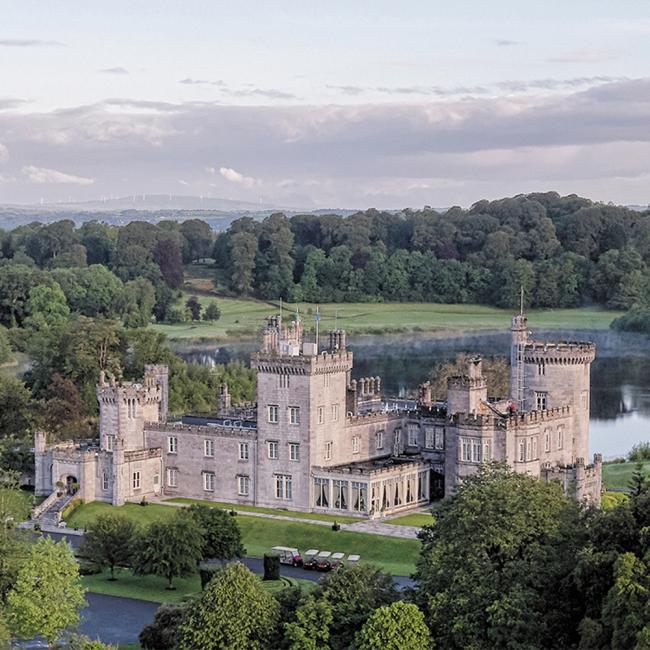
x: 71, y: 484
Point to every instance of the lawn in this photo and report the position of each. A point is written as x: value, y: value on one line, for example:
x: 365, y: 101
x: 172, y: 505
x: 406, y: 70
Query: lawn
x: 617, y: 476
x: 342, y: 519
x: 241, y: 318
x: 259, y: 535
x: 153, y: 588
x: 417, y: 519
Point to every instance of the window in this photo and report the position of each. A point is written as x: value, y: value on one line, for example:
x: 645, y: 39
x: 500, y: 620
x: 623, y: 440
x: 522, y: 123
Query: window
x: 476, y: 450
x: 172, y: 477
x: 440, y: 438
x: 413, y: 435
x: 243, y: 451
x: 547, y: 440
x: 110, y: 443
x: 355, y: 444
x: 321, y: 415
x: 487, y: 450
x: 156, y: 479
x: 294, y: 451
x: 335, y: 412
x: 321, y: 492
x: 104, y: 480
x: 466, y: 450
x: 273, y: 413
x: 243, y: 485
x: 529, y: 449
x: 283, y: 486
x: 540, y: 401
x: 397, y: 442
x: 359, y: 496
x: 341, y: 495
x: 284, y: 381
x: 136, y: 480
x: 534, y: 456
x: 172, y: 444
x: 294, y: 415
x: 541, y: 368
x: 560, y: 437
x: 522, y: 451
x: 328, y: 451
x: 208, y: 448
x: 273, y: 449
x: 429, y: 437
x: 208, y: 481
x: 379, y: 440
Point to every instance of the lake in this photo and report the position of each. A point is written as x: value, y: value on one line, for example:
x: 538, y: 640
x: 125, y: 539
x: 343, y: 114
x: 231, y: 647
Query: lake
x: 620, y: 375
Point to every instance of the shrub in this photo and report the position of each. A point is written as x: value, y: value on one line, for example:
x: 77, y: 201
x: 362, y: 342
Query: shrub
x: 271, y: 566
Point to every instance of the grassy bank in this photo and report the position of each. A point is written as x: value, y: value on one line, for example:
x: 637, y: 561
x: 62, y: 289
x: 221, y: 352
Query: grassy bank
x: 243, y: 318
x: 153, y: 588
x: 617, y: 476
x: 259, y: 535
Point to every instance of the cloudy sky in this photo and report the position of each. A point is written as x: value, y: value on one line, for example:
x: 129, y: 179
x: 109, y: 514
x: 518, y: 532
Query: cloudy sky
x: 324, y: 104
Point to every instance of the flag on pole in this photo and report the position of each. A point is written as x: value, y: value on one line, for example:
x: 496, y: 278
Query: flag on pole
x: 317, y: 313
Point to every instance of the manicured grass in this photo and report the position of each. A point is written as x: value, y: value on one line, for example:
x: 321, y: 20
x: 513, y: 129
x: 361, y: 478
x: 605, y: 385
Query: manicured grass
x: 245, y: 317
x: 417, y: 519
x: 153, y: 588
x: 269, y: 511
x: 259, y: 535
x: 617, y: 476
x: 392, y: 554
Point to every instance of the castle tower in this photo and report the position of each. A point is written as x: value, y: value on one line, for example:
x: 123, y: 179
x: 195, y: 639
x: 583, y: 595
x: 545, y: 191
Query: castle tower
x: 125, y: 407
x: 466, y: 393
x: 558, y: 374
x: 301, y: 411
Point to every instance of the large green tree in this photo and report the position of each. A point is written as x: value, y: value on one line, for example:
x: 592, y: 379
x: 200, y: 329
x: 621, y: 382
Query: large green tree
x: 353, y: 594
x: 234, y: 612
x: 170, y: 548
x: 221, y: 534
x: 108, y: 541
x: 311, y: 628
x: 496, y: 564
x: 48, y: 594
x: 398, y: 626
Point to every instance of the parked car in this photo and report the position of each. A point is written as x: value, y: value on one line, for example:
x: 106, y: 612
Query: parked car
x: 288, y: 555
x: 310, y: 561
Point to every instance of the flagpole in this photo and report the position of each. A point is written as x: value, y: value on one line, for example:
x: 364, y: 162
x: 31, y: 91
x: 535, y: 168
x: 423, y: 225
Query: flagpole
x: 317, y: 323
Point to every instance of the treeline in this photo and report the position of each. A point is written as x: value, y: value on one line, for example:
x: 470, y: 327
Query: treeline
x: 130, y: 272
x: 565, y: 252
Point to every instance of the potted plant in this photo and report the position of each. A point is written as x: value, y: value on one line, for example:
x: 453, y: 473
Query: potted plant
x: 59, y: 488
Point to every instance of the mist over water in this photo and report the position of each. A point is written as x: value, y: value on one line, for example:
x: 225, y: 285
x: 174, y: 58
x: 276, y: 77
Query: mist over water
x: 620, y: 374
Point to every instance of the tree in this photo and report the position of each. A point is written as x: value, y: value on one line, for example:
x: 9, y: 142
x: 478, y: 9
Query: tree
x: 638, y: 481
x: 47, y: 308
x: 170, y: 548
x: 496, y: 565
x: 168, y: 257
x: 48, y: 594
x: 354, y: 593
x: 16, y: 408
x: 5, y: 348
x: 212, y: 312
x: 136, y: 302
x: 197, y: 239
x: 233, y: 612
x: 221, y: 534
x: 398, y: 626
x: 194, y: 306
x: 108, y: 541
x: 163, y: 632
x: 310, y: 630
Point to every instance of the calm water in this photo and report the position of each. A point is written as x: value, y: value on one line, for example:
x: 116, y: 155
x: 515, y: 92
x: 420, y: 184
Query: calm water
x: 620, y: 375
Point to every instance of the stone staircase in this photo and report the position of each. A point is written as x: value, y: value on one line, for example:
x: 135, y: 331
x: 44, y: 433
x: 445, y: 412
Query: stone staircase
x: 49, y: 512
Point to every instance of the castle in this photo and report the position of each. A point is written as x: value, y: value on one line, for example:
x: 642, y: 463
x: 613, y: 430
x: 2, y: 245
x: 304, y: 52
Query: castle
x: 320, y: 441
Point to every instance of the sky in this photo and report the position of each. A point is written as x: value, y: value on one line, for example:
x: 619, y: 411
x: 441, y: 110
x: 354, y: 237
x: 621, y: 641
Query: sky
x: 337, y: 104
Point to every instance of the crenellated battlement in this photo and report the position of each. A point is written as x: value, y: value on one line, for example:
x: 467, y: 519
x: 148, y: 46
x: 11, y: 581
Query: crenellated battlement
x: 218, y: 431
x: 533, y: 417
x: 561, y: 352
x: 323, y: 363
